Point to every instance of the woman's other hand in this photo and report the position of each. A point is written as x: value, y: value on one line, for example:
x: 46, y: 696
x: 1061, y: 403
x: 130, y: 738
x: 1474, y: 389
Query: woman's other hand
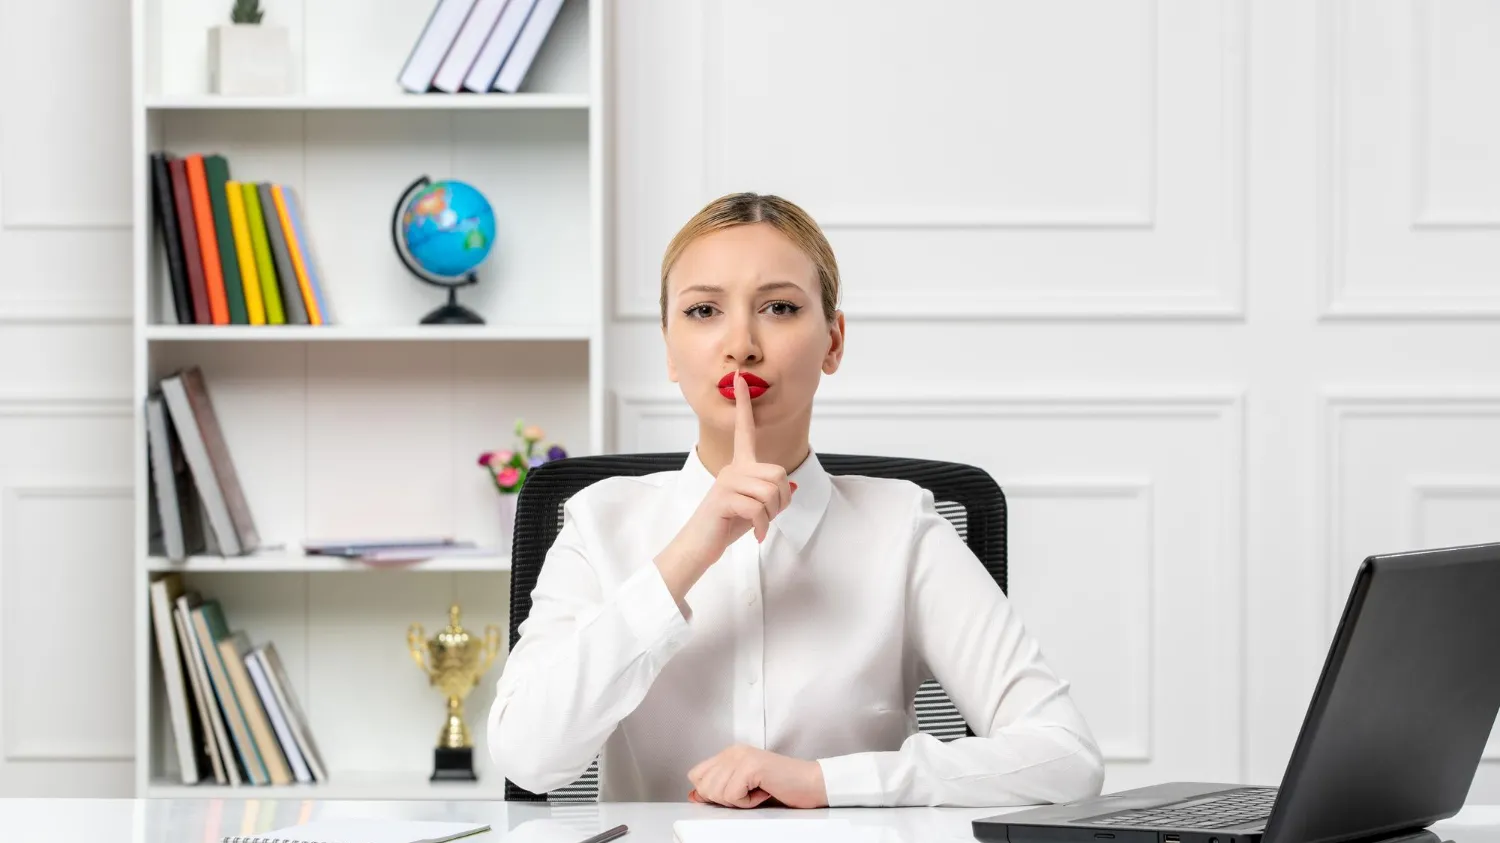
x: 747, y: 777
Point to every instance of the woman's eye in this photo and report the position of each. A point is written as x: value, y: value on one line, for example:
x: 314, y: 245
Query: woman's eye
x: 783, y: 308
x: 699, y: 311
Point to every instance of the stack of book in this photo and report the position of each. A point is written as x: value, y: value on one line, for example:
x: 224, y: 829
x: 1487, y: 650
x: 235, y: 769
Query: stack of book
x: 478, y: 46
x: 235, y: 717
x: 237, y: 253
x: 192, y: 475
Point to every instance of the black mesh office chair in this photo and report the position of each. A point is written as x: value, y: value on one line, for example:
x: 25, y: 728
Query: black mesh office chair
x: 967, y: 496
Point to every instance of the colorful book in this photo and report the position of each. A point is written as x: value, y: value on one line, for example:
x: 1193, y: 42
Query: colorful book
x: 164, y: 212
x: 208, y: 622
x: 264, y: 268
x: 255, y: 309
x: 304, y: 246
x: 192, y: 256
x: 216, y: 172
x: 291, y: 293
x: 208, y: 241
x: 314, y: 315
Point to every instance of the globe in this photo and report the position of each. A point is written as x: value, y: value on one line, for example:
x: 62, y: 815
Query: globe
x: 443, y: 230
x: 448, y: 228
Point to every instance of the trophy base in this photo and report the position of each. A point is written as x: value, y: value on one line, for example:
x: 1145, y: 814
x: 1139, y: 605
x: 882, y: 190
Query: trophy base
x: 453, y: 765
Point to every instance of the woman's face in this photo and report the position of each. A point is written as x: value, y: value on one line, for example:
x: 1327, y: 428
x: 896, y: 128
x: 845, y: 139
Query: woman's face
x: 746, y: 299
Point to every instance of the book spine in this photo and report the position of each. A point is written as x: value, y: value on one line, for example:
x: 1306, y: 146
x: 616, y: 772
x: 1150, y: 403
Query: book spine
x: 255, y: 221
x: 165, y: 214
x: 188, y: 229
x: 291, y: 293
x: 294, y: 249
x: 208, y: 242
x: 216, y: 174
x: 249, y: 275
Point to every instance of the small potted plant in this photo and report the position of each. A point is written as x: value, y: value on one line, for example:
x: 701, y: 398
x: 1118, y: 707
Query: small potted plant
x: 247, y: 57
x: 508, y: 468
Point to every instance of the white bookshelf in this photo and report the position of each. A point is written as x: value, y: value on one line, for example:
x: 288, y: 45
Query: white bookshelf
x: 370, y: 426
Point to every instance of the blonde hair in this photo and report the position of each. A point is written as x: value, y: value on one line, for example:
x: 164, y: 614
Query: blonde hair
x: 744, y: 208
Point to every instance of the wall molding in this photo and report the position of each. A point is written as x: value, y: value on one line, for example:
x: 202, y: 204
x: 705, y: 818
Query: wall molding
x: 1139, y: 747
x: 65, y: 313
x: 62, y: 406
x: 1425, y: 217
x: 1336, y: 408
x: 1335, y: 302
x: 40, y: 744
x: 637, y: 297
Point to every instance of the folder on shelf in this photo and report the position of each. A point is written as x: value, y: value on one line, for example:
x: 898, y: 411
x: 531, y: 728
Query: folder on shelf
x: 265, y: 269
x: 208, y: 621
x: 207, y: 454
x: 528, y: 44
x: 164, y: 593
x: 164, y: 213
x: 497, y: 46
x: 192, y: 255
x: 299, y: 243
x: 216, y: 177
x: 255, y: 308
x: 215, y: 739
x: 476, y: 29
x: 280, y: 717
x: 208, y: 241
x: 171, y: 484
x: 286, y: 276
x: 233, y: 648
x: 432, y: 45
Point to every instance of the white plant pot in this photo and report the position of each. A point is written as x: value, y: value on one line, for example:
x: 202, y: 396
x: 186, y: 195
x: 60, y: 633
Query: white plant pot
x: 249, y: 59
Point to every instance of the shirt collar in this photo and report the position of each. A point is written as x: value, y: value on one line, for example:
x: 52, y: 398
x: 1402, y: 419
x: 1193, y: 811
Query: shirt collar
x: 797, y: 522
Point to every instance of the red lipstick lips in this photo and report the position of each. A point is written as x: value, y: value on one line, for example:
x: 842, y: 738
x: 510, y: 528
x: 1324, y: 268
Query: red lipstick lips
x: 757, y: 385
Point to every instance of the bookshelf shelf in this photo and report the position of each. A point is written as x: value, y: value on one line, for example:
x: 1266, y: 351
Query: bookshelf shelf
x: 374, y: 333
x: 296, y: 563
x: 368, y: 426
x: 341, y: 785
x: 373, y: 102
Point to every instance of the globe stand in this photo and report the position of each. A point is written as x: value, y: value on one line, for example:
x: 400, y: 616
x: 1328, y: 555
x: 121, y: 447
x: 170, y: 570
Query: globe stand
x: 451, y: 313
x: 454, y: 313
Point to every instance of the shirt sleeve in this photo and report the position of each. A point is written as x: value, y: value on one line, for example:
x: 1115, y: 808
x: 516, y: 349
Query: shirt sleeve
x: 584, y: 660
x: 1031, y: 743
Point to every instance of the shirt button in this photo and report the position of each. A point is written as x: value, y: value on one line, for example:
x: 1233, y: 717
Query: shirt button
x: 754, y: 679
x: 749, y: 597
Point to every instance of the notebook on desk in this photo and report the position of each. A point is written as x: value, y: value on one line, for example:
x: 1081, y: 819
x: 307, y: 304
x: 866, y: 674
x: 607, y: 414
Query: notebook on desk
x: 366, y: 831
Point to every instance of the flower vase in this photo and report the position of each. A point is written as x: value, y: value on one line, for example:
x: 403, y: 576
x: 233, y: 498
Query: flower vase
x: 507, y: 522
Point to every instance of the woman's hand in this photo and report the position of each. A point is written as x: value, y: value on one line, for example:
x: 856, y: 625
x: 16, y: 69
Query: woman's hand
x: 746, y: 777
x: 746, y: 495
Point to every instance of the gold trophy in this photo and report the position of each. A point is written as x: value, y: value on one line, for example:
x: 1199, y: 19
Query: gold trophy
x: 453, y: 661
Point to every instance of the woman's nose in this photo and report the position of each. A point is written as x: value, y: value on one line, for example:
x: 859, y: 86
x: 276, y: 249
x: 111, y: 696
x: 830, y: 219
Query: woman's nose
x: 740, y: 345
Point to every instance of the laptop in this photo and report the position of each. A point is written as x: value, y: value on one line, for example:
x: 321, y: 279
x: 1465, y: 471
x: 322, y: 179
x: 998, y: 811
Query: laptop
x: 1390, y: 743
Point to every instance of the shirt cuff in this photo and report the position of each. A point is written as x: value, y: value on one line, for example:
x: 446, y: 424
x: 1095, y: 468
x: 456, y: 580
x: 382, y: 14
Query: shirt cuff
x: 852, y: 780
x: 651, y: 612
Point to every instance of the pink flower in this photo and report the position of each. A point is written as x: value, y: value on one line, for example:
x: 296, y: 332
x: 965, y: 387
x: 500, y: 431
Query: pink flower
x: 484, y: 458
x: 532, y: 433
x: 508, y: 477
x: 504, y: 457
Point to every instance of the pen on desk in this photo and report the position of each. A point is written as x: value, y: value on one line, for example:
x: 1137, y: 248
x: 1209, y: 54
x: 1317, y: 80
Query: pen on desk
x: 601, y: 837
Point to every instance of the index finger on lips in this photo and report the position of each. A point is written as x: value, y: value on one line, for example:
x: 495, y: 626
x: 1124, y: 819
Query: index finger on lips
x: 744, y: 422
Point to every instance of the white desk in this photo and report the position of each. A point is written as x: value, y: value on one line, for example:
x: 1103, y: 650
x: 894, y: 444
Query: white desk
x: 207, y: 820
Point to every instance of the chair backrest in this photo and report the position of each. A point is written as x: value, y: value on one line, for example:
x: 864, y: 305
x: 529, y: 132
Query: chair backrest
x: 966, y: 495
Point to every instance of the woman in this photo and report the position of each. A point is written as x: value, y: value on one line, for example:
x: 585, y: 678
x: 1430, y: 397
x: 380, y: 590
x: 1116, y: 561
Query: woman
x: 751, y: 628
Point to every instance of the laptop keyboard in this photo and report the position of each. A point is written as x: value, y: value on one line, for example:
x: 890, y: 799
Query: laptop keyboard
x: 1227, y: 810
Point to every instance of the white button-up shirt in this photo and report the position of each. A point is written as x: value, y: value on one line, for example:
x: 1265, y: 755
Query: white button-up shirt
x: 811, y: 645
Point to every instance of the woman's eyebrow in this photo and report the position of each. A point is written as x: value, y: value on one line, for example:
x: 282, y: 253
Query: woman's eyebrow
x: 714, y: 288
